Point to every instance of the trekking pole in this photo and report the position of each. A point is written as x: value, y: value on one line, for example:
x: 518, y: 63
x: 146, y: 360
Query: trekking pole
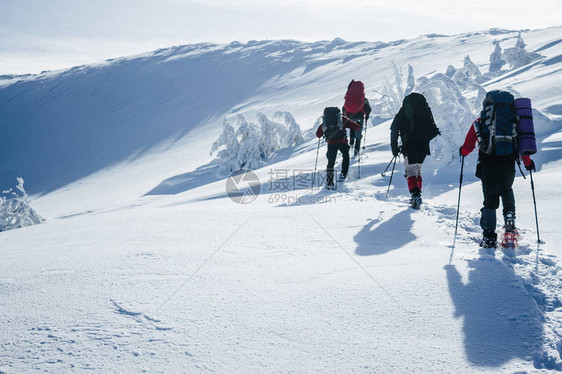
x: 387, y: 166
x: 390, y: 182
x: 365, y: 137
x: 458, y: 208
x: 316, y: 163
x: 359, y: 166
x: 535, y: 204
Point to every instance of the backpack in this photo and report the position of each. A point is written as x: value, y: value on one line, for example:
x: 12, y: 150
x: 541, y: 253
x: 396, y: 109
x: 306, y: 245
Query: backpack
x: 354, y: 97
x: 526, y: 140
x: 419, y: 119
x: 496, y: 130
x: 332, y: 124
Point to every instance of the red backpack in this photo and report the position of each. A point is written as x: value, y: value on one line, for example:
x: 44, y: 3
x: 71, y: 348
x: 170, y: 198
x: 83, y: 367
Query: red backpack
x: 354, y: 97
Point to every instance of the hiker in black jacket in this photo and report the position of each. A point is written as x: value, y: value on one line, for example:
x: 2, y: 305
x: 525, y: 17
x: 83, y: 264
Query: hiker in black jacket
x: 415, y: 126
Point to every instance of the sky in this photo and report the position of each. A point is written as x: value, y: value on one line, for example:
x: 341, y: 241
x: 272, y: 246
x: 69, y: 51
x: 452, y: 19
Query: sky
x: 37, y: 35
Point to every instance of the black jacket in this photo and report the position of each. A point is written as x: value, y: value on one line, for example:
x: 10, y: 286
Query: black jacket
x: 410, y: 144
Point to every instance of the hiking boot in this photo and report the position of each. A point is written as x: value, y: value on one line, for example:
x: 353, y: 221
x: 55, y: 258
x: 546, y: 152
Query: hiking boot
x: 330, y: 186
x: 509, y: 220
x: 355, y: 153
x: 416, y: 200
x: 489, y: 239
x: 342, y: 177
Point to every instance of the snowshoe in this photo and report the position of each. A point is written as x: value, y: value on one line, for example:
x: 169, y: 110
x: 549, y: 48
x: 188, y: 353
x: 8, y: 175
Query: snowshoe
x: 330, y: 187
x: 342, y: 177
x: 510, y: 239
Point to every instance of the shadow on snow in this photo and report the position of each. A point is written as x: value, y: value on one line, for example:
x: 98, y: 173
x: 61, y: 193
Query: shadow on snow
x: 377, y: 238
x: 501, y: 319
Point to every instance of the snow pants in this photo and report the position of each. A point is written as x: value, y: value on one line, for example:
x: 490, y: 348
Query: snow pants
x: 355, y: 136
x: 497, y: 180
x: 331, y: 154
x: 413, y: 163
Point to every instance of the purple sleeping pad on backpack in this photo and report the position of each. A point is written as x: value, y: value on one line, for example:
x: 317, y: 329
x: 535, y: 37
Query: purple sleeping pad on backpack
x: 526, y: 141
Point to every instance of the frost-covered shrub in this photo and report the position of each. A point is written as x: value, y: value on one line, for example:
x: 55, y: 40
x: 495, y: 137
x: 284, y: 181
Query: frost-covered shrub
x: 468, y: 75
x: 410, y: 81
x: 450, y: 71
x: 15, y: 211
x: 294, y: 133
x: 252, y: 144
x: 229, y: 153
x: 272, y: 133
x: 517, y: 56
x: 496, y: 61
x: 452, y: 112
x: 392, y: 93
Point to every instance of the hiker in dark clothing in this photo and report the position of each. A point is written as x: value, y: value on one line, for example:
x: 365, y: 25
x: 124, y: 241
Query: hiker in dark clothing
x: 497, y: 174
x: 333, y: 128
x: 415, y: 126
x: 361, y: 119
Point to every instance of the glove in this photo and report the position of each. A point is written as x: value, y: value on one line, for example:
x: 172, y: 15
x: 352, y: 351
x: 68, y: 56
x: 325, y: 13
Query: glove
x: 531, y: 166
x: 396, y: 151
x: 460, y: 151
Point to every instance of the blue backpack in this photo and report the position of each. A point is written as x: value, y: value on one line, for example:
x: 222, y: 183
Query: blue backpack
x: 496, y: 129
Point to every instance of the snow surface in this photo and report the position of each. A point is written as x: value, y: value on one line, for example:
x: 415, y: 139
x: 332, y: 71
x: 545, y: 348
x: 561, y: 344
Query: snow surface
x: 145, y: 264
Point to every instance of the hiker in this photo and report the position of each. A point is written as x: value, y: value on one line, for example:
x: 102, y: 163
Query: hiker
x: 415, y: 125
x: 496, y: 163
x: 333, y: 129
x: 357, y: 109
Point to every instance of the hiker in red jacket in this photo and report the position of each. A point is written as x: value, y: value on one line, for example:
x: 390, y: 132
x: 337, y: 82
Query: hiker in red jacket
x: 497, y: 174
x: 357, y: 108
x: 333, y: 129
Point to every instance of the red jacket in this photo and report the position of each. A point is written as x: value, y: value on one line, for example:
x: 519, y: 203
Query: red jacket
x: 347, y: 124
x: 471, y: 140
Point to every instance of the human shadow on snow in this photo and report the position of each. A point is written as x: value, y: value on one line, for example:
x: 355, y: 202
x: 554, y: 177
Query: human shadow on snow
x: 501, y: 319
x: 377, y: 239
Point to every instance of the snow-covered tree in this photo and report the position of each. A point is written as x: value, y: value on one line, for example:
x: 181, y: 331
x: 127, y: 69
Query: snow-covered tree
x: 517, y: 56
x: 410, y: 81
x: 245, y: 128
x: 272, y: 134
x: 392, y: 93
x: 467, y: 75
x: 398, y: 80
x: 251, y: 145
x: 496, y: 61
x: 294, y: 133
x: 452, y: 112
x: 15, y: 211
x: 250, y: 154
x: 228, y: 140
x: 471, y: 69
x: 450, y: 71
x: 520, y: 43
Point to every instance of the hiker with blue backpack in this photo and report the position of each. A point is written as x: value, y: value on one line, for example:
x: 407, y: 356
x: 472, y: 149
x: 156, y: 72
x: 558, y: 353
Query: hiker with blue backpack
x: 415, y: 126
x: 333, y: 128
x: 357, y: 108
x: 503, y: 132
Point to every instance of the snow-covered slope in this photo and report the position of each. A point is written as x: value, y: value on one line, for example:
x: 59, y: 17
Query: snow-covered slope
x: 144, y: 263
